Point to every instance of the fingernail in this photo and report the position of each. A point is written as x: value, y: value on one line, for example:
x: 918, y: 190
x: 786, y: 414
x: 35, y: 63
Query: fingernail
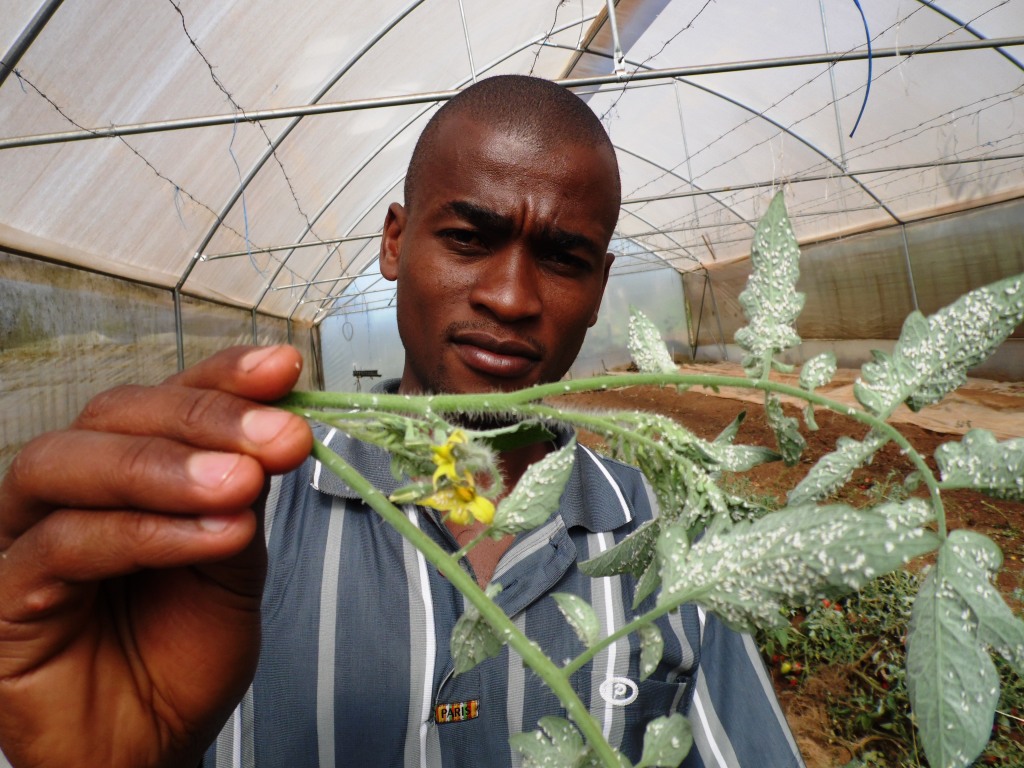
x: 252, y: 360
x: 264, y: 425
x: 211, y: 469
x: 214, y: 523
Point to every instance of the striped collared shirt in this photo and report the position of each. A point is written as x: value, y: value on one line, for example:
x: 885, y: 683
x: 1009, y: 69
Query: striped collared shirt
x: 355, y: 668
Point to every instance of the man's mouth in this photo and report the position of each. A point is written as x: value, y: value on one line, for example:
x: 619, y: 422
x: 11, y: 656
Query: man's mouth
x: 493, y: 356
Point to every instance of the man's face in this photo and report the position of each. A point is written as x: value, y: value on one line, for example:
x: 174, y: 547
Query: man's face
x: 500, y: 259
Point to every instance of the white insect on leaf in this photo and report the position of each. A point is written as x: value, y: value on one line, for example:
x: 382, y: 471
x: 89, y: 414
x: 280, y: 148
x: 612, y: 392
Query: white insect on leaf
x: 580, y: 615
x: 787, y: 430
x: 797, y: 555
x: 979, y: 461
x: 834, y: 469
x: 818, y: 371
x: 646, y: 345
x: 652, y: 646
x: 932, y: 356
x: 958, y: 614
x: 536, y: 495
x: 556, y: 745
x: 667, y: 740
x: 473, y: 639
x: 770, y: 300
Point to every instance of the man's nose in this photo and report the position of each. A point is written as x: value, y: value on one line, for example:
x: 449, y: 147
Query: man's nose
x: 507, y: 285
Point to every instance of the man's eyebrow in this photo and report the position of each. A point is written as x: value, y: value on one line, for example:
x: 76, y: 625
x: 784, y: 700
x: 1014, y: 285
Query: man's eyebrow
x: 552, y: 237
x: 565, y: 240
x: 478, y: 216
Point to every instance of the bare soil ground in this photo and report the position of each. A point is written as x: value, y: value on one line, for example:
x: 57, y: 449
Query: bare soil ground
x: 998, y: 406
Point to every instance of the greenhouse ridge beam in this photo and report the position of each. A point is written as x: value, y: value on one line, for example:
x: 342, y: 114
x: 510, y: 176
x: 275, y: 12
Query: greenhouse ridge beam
x: 784, y: 129
x: 967, y: 27
x: 436, y: 96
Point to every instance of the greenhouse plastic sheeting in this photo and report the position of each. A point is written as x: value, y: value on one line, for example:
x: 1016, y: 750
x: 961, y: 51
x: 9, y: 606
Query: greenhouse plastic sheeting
x: 701, y: 152
x: 66, y: 334
x: 859, y: 290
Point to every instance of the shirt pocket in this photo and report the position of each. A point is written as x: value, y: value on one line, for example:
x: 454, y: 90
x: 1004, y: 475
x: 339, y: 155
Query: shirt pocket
x: 639, y: 703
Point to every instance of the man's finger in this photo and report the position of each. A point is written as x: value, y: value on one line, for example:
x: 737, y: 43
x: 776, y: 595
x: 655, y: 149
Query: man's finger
x: 84, y: 469
x: 49, y: 575
x: 255, y: 373
x: 74, y: 546
x: 203, y: 418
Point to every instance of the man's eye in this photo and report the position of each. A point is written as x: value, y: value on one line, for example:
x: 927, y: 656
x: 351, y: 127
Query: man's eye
x: 567, y: 260
x: 461, y: 236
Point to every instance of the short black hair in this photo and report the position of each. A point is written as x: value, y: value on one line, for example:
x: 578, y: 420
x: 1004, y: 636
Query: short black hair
x: 519, y: 105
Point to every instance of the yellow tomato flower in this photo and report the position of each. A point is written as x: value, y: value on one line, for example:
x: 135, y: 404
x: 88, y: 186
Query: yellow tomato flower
x: 462, y: 503
x: 444, y: 457
x: 454, y: 493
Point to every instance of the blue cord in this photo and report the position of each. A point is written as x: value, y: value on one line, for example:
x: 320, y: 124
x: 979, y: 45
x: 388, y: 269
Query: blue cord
x: 867, y: 91
x: 245, y: 212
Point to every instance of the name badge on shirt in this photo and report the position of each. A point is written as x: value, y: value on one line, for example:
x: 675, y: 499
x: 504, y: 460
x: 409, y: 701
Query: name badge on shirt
x: 457, y: 712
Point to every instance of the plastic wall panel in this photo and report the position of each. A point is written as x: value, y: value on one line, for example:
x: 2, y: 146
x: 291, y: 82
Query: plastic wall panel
x: 274, y: 330
x: 66, y: 335
x: 726, y: 282
x: 658, y: 293
x: 365, y: 341
x: 306, y: 339
x: 207, y: 328
x: 859, y: 289
x: 856, y: 288
x: 271, y: 330
x: 954, y: 254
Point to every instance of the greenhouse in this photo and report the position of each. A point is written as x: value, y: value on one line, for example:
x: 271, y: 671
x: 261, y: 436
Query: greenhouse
x: 180, y: 177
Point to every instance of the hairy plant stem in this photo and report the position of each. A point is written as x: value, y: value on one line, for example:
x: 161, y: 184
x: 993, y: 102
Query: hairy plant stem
x: 556, y: 679
x: 625, y: 630
x: 523, y: 403
x: 471, y: 544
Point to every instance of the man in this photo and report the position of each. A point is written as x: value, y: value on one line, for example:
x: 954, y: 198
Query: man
x: 132, y: 574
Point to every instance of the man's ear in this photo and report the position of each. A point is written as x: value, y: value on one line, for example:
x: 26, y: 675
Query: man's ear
x: 608, y: 259
x: 391, y: 241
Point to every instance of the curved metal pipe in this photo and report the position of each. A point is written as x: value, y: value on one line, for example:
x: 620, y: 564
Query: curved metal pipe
x: 28, y: 36
x: 132, y: 129
x: 382, y: 146
x: 272, y: 148
x: 968, y: 28
x: 782, y: 129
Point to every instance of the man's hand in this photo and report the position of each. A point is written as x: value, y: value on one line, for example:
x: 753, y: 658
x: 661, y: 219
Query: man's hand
x: 131, y: 569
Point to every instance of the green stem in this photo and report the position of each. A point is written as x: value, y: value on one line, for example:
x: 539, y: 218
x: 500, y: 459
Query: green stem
x: 470, y: 544
x: 555, y: 678
x: 626, y: 629
x: 519, y: 402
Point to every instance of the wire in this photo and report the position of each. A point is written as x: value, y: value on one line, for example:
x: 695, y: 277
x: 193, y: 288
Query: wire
x: 245, y: 210
x: 867, y: 91
x: 240, y: 110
